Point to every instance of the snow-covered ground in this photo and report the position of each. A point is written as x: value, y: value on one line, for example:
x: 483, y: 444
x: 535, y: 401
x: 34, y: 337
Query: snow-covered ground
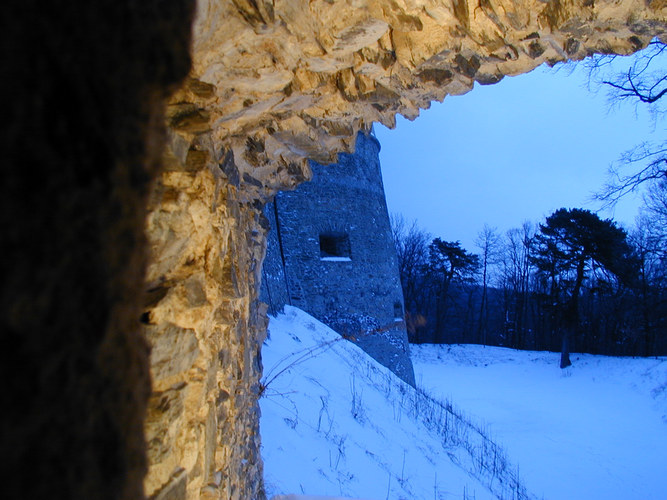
x: 335, y: 423
x: 597, y: 430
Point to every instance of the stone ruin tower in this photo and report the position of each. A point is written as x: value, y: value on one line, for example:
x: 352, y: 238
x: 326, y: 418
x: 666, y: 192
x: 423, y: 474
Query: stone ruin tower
x: 330, y: 252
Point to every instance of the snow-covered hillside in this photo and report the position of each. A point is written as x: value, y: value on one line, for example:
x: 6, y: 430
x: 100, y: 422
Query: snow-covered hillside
x: 334, y: 422
x: 597, y: 430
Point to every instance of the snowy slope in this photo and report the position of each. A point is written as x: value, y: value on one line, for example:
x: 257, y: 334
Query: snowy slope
x: 336, y: 423
x: 597, y: 430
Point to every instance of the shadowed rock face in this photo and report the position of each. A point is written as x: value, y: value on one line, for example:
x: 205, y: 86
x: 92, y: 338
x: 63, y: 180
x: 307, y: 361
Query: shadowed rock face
x: 271, y: 83
x: 84, y: 86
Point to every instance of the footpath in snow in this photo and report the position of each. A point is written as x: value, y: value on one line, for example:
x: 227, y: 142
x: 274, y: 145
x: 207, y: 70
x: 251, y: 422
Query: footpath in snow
x: 597, y: 430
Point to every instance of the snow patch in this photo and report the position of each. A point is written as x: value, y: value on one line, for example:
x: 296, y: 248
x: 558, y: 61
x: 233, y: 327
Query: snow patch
x: 595, y: 430
x: 335, y: 422
x: 310, y: 497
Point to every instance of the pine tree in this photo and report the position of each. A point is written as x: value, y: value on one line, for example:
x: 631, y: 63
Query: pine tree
x: 448, y: 263
x: 571, y: 245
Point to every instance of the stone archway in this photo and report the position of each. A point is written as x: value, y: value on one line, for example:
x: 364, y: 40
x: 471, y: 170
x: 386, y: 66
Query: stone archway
x: 271, y: 84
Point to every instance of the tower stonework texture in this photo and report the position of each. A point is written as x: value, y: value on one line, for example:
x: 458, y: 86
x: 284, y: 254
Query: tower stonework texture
x: 331, y: 253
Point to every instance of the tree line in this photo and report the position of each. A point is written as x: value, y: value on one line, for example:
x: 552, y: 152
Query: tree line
x: 573, y: 282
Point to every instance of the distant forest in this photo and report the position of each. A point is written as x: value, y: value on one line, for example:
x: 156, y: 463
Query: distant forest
x: 572, y: 283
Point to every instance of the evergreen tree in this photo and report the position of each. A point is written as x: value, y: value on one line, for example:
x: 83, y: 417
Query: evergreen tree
x: 448, y: 263
x: 570, y: 246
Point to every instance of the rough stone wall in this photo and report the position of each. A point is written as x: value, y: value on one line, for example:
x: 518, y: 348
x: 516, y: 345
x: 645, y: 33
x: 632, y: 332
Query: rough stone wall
x: 202, y: 319
x: 301, y: 77
x: 360, y: 297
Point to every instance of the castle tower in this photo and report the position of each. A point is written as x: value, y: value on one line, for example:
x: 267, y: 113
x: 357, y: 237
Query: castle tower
x: 331, y: 253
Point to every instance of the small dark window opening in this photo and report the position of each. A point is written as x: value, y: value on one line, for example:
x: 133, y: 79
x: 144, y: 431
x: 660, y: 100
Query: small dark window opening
x: 398, y: 310
x: 334, y: 245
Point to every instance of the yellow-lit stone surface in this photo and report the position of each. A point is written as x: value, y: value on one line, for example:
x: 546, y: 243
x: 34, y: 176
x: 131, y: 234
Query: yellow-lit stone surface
x: 203, y: 322
x: 272, y: 84
x: 305, y: 75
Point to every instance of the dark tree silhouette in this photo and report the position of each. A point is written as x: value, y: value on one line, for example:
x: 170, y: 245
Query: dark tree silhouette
x: 488, y: 242
x: 448, y: 263
x: 644, y: 82
x: 516, y: 283
x: 570, y: 246
x: 411, y: 244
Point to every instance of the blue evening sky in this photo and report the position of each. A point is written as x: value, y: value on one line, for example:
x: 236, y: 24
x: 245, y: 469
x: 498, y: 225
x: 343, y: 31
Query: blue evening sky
x: 506, y: 153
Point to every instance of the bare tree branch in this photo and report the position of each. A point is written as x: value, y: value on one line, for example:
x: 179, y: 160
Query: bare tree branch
x: 644, y: 81
x: 645, y: 162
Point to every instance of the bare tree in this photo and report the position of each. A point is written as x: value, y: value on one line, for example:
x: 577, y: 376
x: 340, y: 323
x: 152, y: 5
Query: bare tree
x: 448, y: 264
x: 650, y: 241
x: 488, y: 242
x: 646, y: 162
x: 412, y: 250
x: 651, y: 282
x: 516, y: 276
x: 644, y: 82
x: 655, y: 213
